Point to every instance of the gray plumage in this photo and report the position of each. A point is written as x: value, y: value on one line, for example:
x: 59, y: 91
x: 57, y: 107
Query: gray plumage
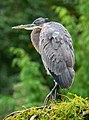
x: 54, y: 44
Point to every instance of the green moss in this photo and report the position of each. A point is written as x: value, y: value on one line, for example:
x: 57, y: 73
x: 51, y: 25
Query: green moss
x: 76, y: 108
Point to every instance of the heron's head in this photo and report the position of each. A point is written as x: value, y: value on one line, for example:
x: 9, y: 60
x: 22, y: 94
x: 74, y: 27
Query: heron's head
x: 35, y: 24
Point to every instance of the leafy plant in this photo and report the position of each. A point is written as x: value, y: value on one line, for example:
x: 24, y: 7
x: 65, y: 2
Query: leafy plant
x: 30, y: 90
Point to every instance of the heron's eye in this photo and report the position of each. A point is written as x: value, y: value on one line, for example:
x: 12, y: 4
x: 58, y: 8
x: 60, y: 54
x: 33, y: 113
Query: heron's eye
x: 40, y: 21
x: 35, y: 22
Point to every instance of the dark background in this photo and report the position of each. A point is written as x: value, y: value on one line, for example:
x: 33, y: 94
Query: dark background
x: 23, y: 79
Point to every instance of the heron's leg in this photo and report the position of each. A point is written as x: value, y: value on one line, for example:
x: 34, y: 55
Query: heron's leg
x: 51, y: 95
x: 54, y: 92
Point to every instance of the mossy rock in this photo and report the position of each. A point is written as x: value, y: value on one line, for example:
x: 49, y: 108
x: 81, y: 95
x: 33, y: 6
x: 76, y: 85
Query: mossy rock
x: 76, y: 108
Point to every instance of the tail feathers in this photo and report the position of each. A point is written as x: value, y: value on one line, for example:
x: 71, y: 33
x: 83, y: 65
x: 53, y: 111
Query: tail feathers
x: 65, y: 79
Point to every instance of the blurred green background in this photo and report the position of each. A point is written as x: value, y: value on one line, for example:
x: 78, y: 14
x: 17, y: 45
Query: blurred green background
x: 23, y: 79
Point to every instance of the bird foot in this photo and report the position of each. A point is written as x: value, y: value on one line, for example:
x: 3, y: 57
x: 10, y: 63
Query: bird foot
x: 62, y: 97
x: 52, y: 97
x: 49, y: 97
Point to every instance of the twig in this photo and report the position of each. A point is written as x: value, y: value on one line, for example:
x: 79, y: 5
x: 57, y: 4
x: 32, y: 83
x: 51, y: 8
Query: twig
x: 85, y: 113
x: 13, y: 113
x: 33, y: 117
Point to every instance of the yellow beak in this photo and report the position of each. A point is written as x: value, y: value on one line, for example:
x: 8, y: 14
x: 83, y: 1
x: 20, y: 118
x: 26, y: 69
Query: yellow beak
x: 27, y: 27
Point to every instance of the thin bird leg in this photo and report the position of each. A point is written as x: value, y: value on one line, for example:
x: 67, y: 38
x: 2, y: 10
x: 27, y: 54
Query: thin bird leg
x: 54, y: 92
x: 51, y: 95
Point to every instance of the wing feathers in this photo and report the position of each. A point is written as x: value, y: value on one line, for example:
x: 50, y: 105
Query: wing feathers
x: 58, y: 54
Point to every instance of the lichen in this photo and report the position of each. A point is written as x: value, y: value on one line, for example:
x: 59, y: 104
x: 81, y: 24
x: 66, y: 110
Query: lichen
x: 76, y: 108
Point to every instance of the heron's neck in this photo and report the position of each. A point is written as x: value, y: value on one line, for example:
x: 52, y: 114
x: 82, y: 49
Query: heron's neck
x: 35, y: 38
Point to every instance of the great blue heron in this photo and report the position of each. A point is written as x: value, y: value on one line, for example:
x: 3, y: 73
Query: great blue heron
x: 53, y: 42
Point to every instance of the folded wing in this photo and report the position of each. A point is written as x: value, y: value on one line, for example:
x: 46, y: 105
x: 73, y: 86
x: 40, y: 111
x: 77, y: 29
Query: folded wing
x: 57, y: 54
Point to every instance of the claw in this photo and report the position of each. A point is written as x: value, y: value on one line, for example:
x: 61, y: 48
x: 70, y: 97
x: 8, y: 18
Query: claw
x: 62, y: 97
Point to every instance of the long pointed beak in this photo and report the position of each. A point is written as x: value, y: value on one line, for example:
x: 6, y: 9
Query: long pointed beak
x: 27, y: 27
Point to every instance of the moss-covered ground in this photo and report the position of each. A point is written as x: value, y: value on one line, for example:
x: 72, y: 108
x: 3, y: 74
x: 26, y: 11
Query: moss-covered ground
x: 76, y: 108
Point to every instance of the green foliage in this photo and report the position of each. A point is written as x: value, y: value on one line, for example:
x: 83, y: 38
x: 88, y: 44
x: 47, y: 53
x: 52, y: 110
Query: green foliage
x: 74, y: 109
x: 25, y: 81
x: 13, y: 13
x: 30, y: 90
x: 7, y: 105
x: 78, y: 28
